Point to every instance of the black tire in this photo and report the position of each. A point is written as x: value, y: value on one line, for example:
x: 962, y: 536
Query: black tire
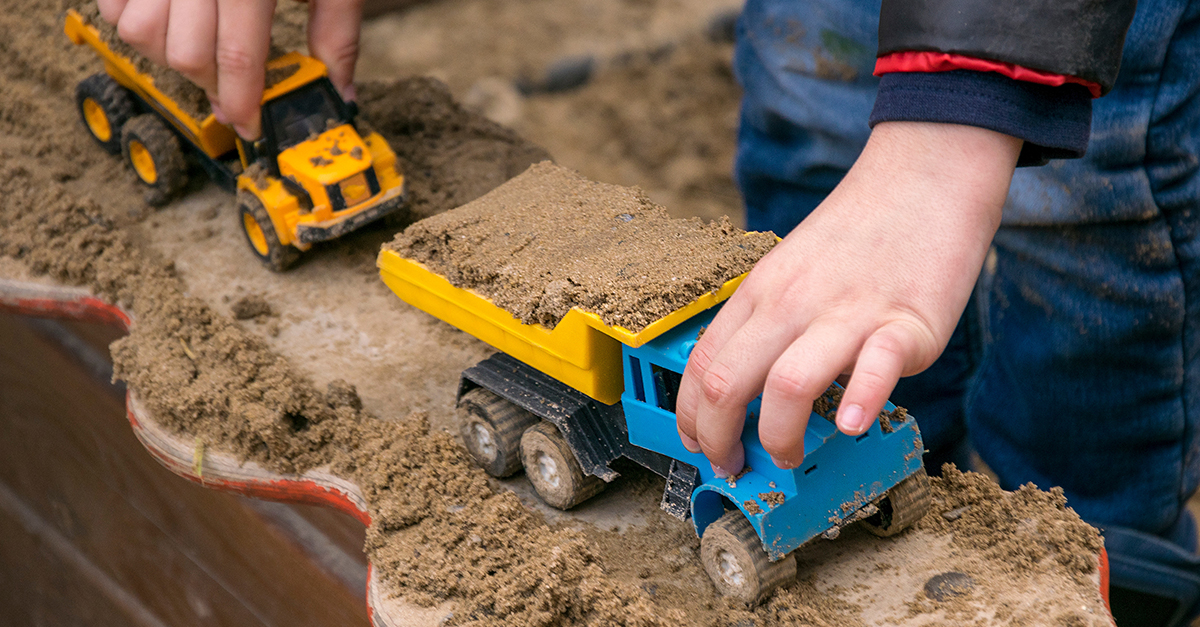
x: 553, y: 469
x: 903, y: 505
x: 491, y: 429
x: 261, y: 236
x: 104, y: 107
x: 734, y: 559
x: 153, y: 151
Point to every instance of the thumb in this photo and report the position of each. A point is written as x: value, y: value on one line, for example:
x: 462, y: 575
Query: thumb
x: 333, y: 34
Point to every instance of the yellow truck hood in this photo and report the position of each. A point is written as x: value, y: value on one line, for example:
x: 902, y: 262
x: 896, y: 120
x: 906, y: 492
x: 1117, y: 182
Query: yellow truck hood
x: 331, y: 157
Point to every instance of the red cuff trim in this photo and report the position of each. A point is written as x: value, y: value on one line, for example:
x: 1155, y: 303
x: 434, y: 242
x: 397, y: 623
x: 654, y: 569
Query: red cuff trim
x: 920, y: 61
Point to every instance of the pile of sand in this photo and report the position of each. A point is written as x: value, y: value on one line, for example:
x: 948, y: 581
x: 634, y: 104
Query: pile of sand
x: 550, y: 240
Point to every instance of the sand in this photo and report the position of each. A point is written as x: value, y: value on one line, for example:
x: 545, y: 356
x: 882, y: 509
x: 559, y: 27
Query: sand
x: 442, y: 530
x: 664, y: 120
x: 660, y: 111
x: 550, y: 240
x: 1002, y: 541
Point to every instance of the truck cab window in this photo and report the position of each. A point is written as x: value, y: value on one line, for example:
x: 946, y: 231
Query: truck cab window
x: 666, y: 386
x: 308, y: 111
x: 635, y: 372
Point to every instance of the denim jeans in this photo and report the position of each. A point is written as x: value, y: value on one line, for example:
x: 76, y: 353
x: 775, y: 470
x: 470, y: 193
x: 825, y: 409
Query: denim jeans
x: 1077, y: 363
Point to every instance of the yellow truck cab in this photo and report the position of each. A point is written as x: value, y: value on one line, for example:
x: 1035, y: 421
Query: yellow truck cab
x: 311, y: 177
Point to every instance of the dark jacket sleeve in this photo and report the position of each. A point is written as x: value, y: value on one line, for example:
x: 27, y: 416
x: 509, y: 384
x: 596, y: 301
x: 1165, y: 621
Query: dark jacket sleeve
x: 1081, y: 38
x: 1054, y: 122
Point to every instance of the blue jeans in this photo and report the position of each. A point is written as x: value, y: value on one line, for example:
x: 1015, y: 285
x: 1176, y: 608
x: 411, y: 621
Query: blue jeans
x: 1077, y: 363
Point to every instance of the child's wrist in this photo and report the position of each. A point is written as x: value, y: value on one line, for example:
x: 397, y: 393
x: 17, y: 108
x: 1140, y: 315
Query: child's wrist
x: 955, y: 167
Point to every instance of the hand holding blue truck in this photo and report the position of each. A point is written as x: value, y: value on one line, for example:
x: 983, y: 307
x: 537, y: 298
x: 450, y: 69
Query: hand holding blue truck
x: 563, y: 403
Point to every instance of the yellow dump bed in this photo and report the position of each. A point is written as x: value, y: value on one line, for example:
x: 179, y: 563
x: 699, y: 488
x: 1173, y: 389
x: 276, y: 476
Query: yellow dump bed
x: 212, y: 137
x: 581, y: 351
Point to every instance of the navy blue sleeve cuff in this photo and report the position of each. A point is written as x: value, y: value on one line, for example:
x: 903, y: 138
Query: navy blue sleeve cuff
x: 1055, y: 122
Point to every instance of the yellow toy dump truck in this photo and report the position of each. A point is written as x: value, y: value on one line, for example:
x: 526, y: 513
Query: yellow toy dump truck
x: 564, y: 402
x: 311, y: 178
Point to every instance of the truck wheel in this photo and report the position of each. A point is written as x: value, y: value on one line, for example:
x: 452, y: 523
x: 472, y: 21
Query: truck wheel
x: 104, y: 106
x: 553, y: 469
x: 153, y: 152
x: 260, y: 234
x: 904, y: 505
x: 734, y: 559
x: 491, y: 429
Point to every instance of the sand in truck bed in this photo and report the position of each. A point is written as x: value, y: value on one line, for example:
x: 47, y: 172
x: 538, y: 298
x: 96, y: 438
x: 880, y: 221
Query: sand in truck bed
x: 549, y: 240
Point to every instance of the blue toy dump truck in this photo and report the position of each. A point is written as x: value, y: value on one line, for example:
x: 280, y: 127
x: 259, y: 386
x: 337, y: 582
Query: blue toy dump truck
x: 564, y: 403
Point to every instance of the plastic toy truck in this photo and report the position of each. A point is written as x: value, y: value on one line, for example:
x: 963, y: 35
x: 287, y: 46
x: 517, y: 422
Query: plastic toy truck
x: 311, y: 178
x: 564, y: 403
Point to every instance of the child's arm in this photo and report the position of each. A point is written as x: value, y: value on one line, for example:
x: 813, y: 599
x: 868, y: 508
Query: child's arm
x: 221, y: 45
x: 872, y: 283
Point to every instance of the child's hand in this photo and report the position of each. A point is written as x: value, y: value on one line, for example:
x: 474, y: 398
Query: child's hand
x: 221, y: 45
x: 871, y: 284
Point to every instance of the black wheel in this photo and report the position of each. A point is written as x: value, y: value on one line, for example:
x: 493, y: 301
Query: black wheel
x: 260, y: 234
x: 153, y: 152
x: 734, y: 559
x: 104, y: 106
x: 553, y: 469
x: 491, y: 429
x: 904, y: 505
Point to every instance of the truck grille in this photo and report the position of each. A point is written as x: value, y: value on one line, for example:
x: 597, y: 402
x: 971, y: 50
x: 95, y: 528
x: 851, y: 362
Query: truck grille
x: 353, y: 190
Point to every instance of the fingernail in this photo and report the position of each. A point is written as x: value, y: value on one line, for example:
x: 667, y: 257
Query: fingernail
x: 851, y: 419
x: 721, y: 473
x: 244, y: 133
x: 782, y: 464
x: 688, y: 443
x: 349, y: 94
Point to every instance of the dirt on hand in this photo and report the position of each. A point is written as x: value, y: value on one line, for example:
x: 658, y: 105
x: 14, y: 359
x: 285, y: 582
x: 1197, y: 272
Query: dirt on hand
x: 550, y: 240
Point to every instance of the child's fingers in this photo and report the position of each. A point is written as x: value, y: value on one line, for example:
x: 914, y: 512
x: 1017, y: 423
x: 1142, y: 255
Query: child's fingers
x: 731, y: 381
x: 192, y: 42
x: 731, y: 318
x: 243, y: 39
x: 333, y: 35
x: 143, y: 25
x: 894, y: 349
x: 801, y: 374
x: 111, y: 10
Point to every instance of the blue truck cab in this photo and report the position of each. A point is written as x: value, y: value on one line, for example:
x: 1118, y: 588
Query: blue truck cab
x: 841, y: 475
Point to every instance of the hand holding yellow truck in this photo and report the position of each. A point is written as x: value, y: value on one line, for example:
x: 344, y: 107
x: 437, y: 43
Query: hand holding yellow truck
x: 312, y: 177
